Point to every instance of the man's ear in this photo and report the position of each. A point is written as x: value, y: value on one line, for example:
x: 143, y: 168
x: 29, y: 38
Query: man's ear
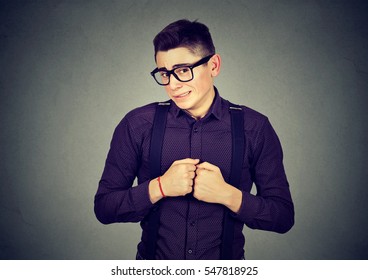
x: 215, y: 64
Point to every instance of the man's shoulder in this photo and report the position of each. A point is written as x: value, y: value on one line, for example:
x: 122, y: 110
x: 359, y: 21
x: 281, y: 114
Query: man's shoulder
x: 253, y: 114
x: 252, y: 117
x: 145, y: 112
x: 253, y: 120
x: 141, y: 116
x: 138, y: 118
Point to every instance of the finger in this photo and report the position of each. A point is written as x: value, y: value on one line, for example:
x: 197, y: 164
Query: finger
x: 190, y: 167
x: 190, y: 183
x: 202, y: 171
x: 186, y: 161
x: 199, y: 171
x: 207, y: 166
x: 191, y: 174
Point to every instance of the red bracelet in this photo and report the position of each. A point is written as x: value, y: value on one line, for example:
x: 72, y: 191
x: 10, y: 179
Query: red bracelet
x: 159, y: 184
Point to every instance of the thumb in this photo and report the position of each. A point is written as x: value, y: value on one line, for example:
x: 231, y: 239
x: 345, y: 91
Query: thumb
x: 208, y: 166
x: 186, y: 161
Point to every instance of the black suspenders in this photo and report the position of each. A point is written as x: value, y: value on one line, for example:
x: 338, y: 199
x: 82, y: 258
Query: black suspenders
x: 237, y: 156
x: 158, y: 132
x: 157, y: 138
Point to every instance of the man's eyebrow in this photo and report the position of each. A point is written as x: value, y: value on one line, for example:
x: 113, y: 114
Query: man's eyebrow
x: 175, y: 66
x: 181, y: 65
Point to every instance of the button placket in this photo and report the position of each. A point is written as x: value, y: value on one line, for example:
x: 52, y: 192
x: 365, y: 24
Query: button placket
x: 193, y: 211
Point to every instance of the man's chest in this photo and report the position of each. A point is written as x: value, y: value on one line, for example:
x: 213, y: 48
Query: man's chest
x: 202, y: 142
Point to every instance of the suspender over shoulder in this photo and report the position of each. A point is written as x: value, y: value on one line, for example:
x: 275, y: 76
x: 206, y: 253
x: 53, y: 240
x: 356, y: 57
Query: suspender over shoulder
x: 158, y: 132
x: 157, y: 138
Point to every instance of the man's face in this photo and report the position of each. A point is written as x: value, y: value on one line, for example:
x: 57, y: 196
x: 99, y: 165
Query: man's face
x: 195, y: 96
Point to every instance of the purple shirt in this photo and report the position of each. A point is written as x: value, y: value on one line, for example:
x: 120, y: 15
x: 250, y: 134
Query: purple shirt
x: 191, y: 229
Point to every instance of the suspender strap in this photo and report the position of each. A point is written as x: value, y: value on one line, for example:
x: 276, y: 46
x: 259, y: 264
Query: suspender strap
x: 237, y: 132
x: 157, y: 138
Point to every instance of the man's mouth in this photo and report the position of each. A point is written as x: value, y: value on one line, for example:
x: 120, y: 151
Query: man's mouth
x: 183, y: 94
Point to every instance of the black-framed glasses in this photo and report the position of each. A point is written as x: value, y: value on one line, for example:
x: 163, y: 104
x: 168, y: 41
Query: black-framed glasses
x: 181, y: 73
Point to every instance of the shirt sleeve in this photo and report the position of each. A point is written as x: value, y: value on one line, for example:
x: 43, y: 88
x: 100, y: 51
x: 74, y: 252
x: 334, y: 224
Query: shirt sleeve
x: 116, y: 200
x: 271, y: 208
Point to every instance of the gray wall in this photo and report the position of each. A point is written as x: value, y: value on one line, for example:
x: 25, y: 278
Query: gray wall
x: 70, y: 70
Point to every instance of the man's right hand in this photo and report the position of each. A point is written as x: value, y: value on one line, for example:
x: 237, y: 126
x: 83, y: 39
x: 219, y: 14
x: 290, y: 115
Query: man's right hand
x: 177, y: 180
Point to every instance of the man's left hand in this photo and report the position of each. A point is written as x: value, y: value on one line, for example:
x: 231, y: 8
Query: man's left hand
x: 210, y: 186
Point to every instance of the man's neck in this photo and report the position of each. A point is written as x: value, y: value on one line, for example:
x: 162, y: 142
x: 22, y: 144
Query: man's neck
x: 202, y: 111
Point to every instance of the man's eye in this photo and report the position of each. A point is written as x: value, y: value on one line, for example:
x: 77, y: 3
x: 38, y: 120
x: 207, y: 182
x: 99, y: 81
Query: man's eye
x: 182, y: 70
x: 163, y: 74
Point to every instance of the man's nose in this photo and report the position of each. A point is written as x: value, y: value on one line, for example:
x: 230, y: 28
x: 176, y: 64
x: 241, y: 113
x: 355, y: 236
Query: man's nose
x: 174, y: 82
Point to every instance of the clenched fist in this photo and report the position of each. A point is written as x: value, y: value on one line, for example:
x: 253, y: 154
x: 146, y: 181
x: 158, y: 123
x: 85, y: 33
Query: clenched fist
x: 210, y: 186
x: 177, y: 180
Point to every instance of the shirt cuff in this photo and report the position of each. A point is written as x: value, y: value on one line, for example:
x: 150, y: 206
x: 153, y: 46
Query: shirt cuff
x: 140, y: 197
x: 249, y: 207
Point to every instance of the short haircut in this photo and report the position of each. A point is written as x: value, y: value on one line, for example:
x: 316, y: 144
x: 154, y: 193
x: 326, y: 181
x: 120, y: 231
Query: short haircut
x: 194, y: 36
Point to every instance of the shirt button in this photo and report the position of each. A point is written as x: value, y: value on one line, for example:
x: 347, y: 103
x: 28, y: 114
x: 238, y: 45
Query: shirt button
x: 192, y: 223
x: 190, y: 251
x: 195, y: 130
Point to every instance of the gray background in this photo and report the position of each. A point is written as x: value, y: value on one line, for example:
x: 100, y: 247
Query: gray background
x: 70, y: 70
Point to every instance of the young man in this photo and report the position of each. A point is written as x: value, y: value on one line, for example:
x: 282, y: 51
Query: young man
x: 185, y: 208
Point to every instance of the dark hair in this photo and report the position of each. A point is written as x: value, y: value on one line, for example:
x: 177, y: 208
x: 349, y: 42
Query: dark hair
x: 183, y: 33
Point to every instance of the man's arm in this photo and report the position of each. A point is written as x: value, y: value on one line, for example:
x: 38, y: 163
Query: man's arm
x: 272, y: 208
x: 116, y: 200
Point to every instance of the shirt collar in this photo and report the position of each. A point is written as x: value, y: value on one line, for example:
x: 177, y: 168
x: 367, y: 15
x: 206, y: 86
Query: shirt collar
x: 215, y: 109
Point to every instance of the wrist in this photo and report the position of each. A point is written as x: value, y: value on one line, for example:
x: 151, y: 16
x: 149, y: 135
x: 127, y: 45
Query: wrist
x: 233, y: 198
x: 154, y: 191
x: 160, y: 187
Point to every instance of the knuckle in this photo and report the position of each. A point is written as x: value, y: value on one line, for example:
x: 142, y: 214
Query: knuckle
x: 189, y: 167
